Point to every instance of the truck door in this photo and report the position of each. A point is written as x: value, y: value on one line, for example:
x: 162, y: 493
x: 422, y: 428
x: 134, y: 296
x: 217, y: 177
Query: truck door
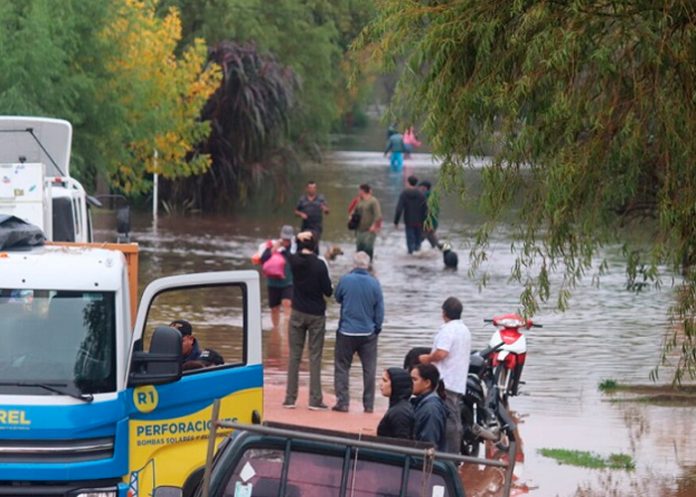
x: 219, y: 317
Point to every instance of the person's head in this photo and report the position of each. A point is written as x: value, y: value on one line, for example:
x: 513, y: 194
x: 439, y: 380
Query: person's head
x: 361, y: 260
x: 425, y: 185
x: 286, y: 235
x: 425, y: 378
x: 412, y: 181
x: 364, y: 191
x: 306, y: 241
x: 396, y: 384
x: 311, y: 188
x: 452, y: 309
x: 186, y: 330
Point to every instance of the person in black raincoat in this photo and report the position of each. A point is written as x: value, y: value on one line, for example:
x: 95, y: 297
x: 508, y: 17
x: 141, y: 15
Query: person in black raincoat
x: 399, y: 419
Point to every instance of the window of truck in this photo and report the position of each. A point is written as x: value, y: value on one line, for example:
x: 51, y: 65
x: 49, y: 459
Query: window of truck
x: 63, y: 339
x: 260, y: 472
x: 214, y: 316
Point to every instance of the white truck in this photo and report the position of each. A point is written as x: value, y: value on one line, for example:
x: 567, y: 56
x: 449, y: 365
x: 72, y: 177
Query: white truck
x: 35, y: 181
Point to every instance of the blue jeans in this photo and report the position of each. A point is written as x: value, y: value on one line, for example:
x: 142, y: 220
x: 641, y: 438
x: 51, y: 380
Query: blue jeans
x: 414, y: 237
x: 396, y: 161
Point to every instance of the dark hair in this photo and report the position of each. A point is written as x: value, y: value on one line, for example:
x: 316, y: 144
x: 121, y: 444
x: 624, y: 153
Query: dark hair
x: 183, y: 326
x: 426, y: 184
x: 366, y: 188
x: 311, y: 182
x: 452, y: 308
x: 430, y: 372
x: 412, y: 180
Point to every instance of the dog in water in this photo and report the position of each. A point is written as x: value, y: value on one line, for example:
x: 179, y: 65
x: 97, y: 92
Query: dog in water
x: 332, y: 252
x: 449, y: 256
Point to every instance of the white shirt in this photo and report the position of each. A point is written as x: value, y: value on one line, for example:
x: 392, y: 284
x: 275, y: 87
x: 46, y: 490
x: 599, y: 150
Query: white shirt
x: 455, y: 338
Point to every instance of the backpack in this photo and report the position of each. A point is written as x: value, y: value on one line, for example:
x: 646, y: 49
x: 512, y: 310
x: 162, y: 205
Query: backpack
x: 354, y: 220
x: 274, y: 267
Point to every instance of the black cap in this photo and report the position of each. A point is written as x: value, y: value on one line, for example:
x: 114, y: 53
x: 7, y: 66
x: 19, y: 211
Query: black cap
x: 184, y: 327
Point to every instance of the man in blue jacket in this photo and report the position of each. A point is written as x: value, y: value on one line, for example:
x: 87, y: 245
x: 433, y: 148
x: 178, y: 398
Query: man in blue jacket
x: 362, y: 314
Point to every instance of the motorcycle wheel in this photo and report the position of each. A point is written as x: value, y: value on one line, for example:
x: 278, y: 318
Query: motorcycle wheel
x: 502, y: 376
x: 470, y: 443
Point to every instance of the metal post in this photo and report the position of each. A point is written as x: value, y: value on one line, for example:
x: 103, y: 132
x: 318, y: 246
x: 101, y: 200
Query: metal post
x: 155, y: 188
x: 211, y: 447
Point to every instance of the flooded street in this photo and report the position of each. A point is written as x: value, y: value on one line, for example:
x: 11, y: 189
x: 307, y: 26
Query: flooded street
x: 608, y: 333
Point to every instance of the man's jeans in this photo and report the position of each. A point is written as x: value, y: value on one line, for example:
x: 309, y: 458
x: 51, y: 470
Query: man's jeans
x: 310, y: 328
x: 453, y: 428
x: 346, y: 347
x: 414, y: 237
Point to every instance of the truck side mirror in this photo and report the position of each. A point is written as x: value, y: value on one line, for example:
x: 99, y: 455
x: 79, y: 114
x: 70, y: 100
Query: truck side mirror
x: 162, y: 364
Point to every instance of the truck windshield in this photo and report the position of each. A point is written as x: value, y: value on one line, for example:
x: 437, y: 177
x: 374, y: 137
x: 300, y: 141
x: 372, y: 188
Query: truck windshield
x: 59, y: 338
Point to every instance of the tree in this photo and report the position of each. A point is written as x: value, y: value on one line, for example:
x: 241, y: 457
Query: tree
x: 160, y: 95
x: 587, y: 108
x: 249, y: 116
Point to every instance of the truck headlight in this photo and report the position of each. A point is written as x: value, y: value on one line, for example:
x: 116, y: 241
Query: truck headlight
x: 96, y: 492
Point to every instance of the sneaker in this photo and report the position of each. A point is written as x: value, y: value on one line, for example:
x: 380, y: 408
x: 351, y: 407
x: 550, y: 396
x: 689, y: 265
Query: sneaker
x: 318, y: 407
x: 338, y: 408
x: 369, y: 410
x: 289, y: 405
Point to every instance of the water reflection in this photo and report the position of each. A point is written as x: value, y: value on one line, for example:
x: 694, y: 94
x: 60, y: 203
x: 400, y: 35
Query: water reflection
x: 607, y: 333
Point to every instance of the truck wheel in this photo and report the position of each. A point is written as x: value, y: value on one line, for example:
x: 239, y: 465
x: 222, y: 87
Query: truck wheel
x: 192, y: 483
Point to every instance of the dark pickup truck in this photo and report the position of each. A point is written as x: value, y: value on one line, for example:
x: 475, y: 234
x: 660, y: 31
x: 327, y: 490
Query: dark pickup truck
x: 276, y: 461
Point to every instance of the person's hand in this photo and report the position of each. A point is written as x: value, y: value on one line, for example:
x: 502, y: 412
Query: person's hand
x: 304, y: 236
x: 424, y: 358
x: 276, y: 245
x: 303, y: 215
x: 326, y: 210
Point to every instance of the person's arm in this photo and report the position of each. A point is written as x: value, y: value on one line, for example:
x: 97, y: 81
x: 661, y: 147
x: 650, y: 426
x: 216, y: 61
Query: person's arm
x: 339, y: 291
x: 379, y: 308
x: 399, y: 209
x: 401, y: 423
x: 324, y: 206
x: 377, y: 225
x: 427, y: 428
x: 435, y: 356
x: 326, y: 287
x: 298, y: 210
x: 389, y: 147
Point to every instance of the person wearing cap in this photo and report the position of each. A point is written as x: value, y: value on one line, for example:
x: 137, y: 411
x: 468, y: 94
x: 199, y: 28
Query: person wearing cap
x: 190, y: 350
x: 311, y: 207
x: 280, y: 289
x: 208, y: 358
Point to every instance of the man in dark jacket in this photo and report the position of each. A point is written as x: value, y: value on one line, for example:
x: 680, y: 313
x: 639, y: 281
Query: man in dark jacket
x: 362, y: 313
x: 413, y: 205
x: 399, y: 419
x: 308, y: 319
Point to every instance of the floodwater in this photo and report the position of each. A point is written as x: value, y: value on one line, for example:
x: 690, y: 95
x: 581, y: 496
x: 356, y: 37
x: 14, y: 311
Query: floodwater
x: 608, y: 333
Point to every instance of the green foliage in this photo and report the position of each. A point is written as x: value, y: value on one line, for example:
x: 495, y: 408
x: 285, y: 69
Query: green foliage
x: 589, y: 459
x: 249, y: 115
x: 309, y: 36
x: 587, y: 109
x: 607, y: 385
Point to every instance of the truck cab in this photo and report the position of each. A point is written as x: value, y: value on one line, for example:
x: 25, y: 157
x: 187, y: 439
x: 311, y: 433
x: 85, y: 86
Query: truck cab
x: 96, y: 403
x: 35, y: 181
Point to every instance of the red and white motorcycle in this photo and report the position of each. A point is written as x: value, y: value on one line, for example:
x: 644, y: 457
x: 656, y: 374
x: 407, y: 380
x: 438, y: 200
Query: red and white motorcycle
x: 509, y: 360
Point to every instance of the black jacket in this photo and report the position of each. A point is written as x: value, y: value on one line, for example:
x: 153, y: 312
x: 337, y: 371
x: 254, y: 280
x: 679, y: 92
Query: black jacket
x: 399, y: 419
x: 311, y: 283
x: 431, y: 419
x: 414, y: 207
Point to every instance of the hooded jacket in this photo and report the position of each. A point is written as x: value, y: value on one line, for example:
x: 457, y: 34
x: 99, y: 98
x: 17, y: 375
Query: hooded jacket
x: 399, y: 419
x: 413, y: 205
x: 431, y: 419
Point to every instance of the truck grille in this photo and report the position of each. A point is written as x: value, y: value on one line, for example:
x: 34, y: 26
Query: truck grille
x: 51, y: 451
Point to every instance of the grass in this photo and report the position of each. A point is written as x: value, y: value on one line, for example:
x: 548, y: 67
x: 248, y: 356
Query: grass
x: 591, y: 460
x: 667, y: 395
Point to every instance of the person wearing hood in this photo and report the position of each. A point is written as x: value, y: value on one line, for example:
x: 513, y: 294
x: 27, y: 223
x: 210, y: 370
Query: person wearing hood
x: 399, y: 419
x: 429, y: 406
